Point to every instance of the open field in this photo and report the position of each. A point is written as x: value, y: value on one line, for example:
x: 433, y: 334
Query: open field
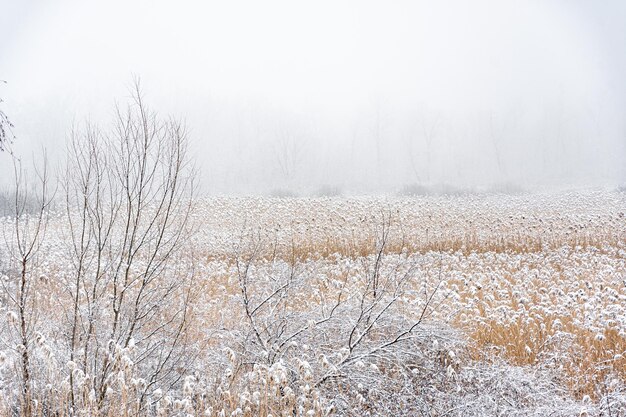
x: 313, y: 209
x: 469, y: 305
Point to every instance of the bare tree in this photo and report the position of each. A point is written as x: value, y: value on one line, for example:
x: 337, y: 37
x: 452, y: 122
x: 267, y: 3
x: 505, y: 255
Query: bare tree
x: 429, y: 132
x: 289, y: 152
x: 496, y: 138
x: 121, y: 303
x: 128, y: 204
x: 6, y: 136
x: 351, y: 324
x: 426, y: 126
x: 24, y: 240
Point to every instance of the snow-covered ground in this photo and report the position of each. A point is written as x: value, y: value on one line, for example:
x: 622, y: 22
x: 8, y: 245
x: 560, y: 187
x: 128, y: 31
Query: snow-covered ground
x: 466, y: 305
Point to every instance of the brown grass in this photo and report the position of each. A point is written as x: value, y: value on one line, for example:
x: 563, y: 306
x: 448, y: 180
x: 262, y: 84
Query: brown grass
x: 583, y: 359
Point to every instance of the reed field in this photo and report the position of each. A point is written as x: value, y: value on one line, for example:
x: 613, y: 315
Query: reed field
x: 461, y: 305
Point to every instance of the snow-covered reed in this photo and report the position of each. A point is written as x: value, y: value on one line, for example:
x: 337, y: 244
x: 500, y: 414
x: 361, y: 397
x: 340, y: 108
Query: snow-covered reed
x: 466, y: 305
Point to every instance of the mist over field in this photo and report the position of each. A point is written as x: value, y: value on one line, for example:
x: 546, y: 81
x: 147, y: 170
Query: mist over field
x: 327, y: 97
x: 457, y: 246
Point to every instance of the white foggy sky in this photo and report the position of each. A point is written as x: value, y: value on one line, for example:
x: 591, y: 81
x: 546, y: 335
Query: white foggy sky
x: 303, y: 94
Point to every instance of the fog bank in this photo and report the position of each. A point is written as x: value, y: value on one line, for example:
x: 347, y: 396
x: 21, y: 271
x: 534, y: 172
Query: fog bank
x: 324, y: 97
